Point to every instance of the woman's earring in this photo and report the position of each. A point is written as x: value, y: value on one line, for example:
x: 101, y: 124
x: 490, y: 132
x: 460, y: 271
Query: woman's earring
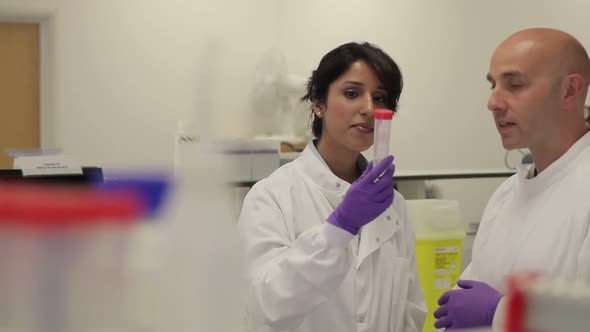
x: 318, y: 114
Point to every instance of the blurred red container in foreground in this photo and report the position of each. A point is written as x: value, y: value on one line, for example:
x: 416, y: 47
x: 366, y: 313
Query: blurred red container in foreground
x: 63, y: 257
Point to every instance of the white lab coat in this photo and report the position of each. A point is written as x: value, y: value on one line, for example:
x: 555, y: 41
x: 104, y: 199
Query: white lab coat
x: 306, y: 275
x: 538, y: 224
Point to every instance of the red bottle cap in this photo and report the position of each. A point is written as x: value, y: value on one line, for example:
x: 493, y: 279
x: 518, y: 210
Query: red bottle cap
x: 383, y: 114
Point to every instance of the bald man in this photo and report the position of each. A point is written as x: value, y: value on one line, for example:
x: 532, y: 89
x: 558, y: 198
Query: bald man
x: 538, y: 219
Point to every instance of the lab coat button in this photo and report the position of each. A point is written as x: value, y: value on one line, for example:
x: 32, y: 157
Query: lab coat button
x: 378, y: 240
x: 338, y: 185
x: 388, y: 218
x: 362, y: 319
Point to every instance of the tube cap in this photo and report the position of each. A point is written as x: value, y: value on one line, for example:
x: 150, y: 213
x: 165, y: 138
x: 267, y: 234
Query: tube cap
x: 383, y: 114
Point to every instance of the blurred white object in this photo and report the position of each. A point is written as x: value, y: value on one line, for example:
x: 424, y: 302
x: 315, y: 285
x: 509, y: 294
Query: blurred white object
x: 247, y: 160
x: 239, y: 160
x: 197, y: 274
x: 67, y: 279
x: 275, y: 97
x: 546, y: 305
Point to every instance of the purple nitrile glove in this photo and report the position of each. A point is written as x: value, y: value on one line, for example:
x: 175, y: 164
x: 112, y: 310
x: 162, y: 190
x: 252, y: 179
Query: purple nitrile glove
x: 369, y: 196
x: 472, y: 306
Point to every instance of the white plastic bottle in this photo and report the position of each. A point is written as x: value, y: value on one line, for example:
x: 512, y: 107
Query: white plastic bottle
x: 381, y: 134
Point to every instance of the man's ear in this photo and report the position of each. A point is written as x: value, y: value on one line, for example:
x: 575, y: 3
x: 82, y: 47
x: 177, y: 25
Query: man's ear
x: 573, y: 89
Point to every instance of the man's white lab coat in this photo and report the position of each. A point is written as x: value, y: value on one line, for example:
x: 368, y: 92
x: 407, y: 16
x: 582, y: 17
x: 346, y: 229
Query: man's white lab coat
x: 539, y: 225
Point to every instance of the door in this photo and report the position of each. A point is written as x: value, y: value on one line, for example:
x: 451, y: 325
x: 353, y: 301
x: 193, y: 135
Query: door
x: 19, y: 88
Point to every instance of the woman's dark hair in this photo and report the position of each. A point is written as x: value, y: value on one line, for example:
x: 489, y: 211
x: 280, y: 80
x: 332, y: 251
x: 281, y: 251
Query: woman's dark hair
x: 338, y: 61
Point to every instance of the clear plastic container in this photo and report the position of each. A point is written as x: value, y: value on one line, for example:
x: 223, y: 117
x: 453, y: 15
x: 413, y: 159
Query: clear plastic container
x: 382, y: 132
x: 63, y: 252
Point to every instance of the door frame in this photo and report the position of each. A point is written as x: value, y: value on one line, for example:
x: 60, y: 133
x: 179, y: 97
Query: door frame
x: 47, y: 80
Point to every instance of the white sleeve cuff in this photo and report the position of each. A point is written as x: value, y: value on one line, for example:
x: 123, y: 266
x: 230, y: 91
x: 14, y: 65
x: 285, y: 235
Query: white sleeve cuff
x: 335, y: 237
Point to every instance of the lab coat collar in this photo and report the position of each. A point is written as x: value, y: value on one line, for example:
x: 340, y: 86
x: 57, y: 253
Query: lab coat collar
x: 554, y: 171
x: 316, y: 168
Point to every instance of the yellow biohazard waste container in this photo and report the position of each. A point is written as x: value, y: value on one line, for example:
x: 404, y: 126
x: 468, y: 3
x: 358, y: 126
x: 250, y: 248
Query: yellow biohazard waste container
x: 439, y: 244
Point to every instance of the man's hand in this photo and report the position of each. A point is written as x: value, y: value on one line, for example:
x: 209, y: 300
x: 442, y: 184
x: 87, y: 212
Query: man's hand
x: 473, y: 305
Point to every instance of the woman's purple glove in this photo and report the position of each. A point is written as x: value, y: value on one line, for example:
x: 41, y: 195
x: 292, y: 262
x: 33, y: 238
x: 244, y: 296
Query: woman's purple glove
x: 369, y: 196
x: 472, y: 306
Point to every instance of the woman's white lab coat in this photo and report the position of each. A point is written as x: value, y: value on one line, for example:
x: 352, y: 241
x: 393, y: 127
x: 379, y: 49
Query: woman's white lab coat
x: 306, y: 275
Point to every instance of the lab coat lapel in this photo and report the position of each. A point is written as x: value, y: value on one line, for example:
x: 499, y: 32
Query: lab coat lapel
x: 374, y: 234
x: 319, y: 174
x: 377, y: 232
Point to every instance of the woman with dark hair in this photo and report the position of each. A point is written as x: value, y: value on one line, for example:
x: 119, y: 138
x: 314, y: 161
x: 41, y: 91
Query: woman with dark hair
x: 329, y: 246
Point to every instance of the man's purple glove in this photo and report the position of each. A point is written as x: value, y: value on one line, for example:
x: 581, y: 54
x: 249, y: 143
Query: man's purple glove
x: 472, y: 306
x: 369, y: 196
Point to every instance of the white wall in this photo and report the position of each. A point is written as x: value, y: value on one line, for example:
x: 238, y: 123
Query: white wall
x: 124, y: 72
x: 443, y: 49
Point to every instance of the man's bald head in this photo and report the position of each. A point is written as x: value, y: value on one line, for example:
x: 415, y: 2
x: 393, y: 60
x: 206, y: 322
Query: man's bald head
x: 539, y: 83
x: 556, y: 49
